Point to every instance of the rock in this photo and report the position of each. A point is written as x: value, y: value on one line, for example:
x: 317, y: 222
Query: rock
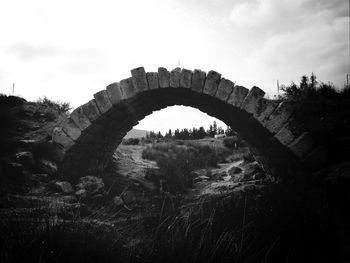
x: 118, y: 201
x: 42, y: 177
x: 46, y: 166
x: 81, y: 194
x: 128, y: 197
x: 26, y: 158
x: 259, y: 175
x: 218, y: 175
x: 92, y: 184
x: 13, y: 169
x: 201, y: 178
x: 63, y: 186
x: 252, y: 168
x: 234, y: 170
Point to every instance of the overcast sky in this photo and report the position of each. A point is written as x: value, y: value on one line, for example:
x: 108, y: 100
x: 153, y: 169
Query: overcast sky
x: 68, y: 50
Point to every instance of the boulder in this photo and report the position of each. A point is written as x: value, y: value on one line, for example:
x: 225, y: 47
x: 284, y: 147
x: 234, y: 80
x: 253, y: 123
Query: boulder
x: 234, y: 170
x: 81, y: 194
x: 46, y: 166
x: 252, y: 168
x: 63, y: 187
x: 218, y: 175
x: 92, y: 184
x: 26, y: 158
x: 128, y: 197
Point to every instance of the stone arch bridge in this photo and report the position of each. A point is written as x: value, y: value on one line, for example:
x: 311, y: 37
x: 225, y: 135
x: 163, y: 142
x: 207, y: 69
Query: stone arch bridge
x: 89, y: 136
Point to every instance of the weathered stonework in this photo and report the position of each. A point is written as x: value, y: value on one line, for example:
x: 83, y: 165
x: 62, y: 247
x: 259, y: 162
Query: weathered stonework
x: 225, y: 89
x: 185, y: 78
x: 94, y: 129
x: 211, y: 83
x: 164, y: 77
x: 152, y: 79
x: 127, y: 88
x: 91, y: 111
x: 102, y: 101
x: 114, y: 93
x: 237, y: 96
x: 198, y: 80
x: 139, y: 79
x: 250, y: 102
x: 175, y: 76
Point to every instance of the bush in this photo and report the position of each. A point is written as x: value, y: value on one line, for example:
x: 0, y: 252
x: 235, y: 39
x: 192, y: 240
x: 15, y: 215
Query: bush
x: 131, y: 141
x: 232, y: 142
x: 60, y: 107
x: 176, y: 162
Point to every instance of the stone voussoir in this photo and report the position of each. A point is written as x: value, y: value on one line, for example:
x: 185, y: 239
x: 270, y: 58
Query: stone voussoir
x: 152, y: 79
x: 102, y: 101
x: 289, y: 132
x: 80, y: 119
x: 91, y: 110
x: 175, y: 77
x: 237, y: 96
x: 278, y: 117
x: 127, y: 88
x: 302, y: 145
x: 266, y: 108
x: 225, y: 89
x: 251, y: 101
x: 114, y: 93
x: 139, y: 79
x: 212, y: 83
x: 185, y: 78
x: 163, y: 77
x: 198, y: 80
x: 61, y: 138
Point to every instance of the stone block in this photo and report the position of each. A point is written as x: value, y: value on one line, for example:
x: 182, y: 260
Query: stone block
x: 225, y: 89
x: 198, y: 80
x: 175, y: 76
x: 164, y: 78
x: 139, y: 79
x: 302, y: 145
x: 278, y: 117
x: 266, y: 108
x: 71, y: 129
x: 251, y: 101
x: 91, y: 110
x: 237, y: 96
x: 152, y: 78
x: 60, y: 137
x: 185, y: 79
x: 102, y: 101
x: 79, y: 118
x: 127, y: 88
x: 289, y: 132
x: 211, y: 83
x: 114, y: 93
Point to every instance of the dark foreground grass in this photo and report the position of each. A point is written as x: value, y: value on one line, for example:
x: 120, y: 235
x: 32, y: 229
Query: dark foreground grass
x: 258, y: 226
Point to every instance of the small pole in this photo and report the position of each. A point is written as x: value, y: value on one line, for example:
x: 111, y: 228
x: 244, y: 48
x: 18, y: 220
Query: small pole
x: 13, y: 88
x: 278, y: 88
x: 347, y: 80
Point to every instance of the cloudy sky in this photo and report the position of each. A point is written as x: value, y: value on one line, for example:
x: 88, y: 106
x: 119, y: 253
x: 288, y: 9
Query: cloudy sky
x: 68, y: 50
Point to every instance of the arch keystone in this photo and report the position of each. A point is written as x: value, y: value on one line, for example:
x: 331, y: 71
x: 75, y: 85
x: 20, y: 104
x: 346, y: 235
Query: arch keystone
x: 163, y: 77
x: 185, y: 78
x: 211, y: 83
x: 102, y: 101
x: 114, y: 93
x: 225, y: 89
x: 237, y: 96
x: 152, y: 79
x: 139, y: 79
x: 175, y: 76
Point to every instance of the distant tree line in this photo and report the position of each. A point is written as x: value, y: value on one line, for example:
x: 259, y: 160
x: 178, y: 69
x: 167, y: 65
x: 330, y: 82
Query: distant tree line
x: 191, y: 134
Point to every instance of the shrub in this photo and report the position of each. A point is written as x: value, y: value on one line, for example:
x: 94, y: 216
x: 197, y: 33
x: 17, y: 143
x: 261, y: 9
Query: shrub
x: 176, y: 162
x: 60, y: 107
x: 232, y: 142
x: 131, y: 141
